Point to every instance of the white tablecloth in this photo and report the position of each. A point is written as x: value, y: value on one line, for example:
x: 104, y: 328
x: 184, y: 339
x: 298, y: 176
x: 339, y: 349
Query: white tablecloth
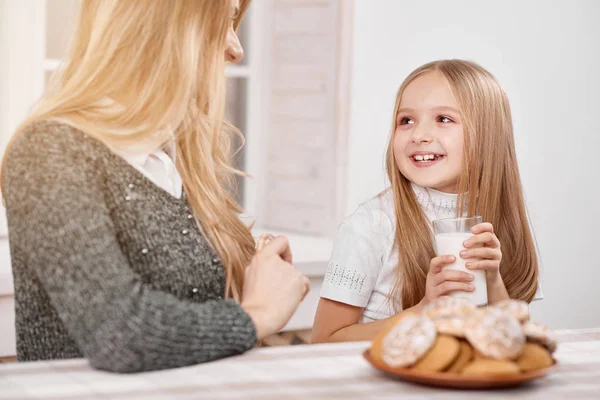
x: 330, y: 371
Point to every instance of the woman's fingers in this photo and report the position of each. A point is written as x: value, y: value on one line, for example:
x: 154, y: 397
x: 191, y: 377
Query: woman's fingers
x: 306, y: 286
x: 278, y: 245
x: 263, y: 240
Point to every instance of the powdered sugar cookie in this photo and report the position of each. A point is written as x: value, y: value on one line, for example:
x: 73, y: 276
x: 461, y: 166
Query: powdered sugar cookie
x: 534, y: 357
x: 405, y: 342
x: 464, y: 357
x: 447, y: 306
x: 453, y: 326
x: 495, y: 334
x: 517, y: 308
x: 540, y: 333
x: 440, y: 356
x: 491, y: 368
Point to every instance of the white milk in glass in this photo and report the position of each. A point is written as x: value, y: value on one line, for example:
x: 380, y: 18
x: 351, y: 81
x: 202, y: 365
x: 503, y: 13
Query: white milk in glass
x: 452, y: 244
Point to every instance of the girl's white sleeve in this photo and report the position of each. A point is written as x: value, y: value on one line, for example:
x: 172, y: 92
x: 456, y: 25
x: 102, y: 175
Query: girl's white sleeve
x: 356, y: 259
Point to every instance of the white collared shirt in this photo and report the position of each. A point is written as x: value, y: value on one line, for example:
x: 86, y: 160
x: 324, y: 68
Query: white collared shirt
x: 363, y: 265
x: 158, y: 166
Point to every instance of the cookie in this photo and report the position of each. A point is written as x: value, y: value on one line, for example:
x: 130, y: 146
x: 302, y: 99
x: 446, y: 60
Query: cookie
x: 534, y: 357
x: 478, y: 356
x: 490, y: 368
x: 440, y: 356
x: 453, y: 326
x: 517, y: 308
x: 447, y: 306
x: 378, y: 340
x: 465, y: 355
x: 495, y: 334
x: 403, y: 343
x: 540, y: 333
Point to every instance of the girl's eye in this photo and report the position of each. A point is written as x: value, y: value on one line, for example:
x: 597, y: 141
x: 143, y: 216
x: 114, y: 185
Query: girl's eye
x: 444, y: 120
x: 406, y: 121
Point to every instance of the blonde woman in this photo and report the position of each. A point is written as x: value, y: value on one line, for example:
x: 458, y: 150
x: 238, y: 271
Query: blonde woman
x: 124, y: 232
x: 451, y: 153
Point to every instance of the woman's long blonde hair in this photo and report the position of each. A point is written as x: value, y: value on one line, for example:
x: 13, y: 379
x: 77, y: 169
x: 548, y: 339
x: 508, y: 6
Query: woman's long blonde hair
x: 138, y: 72
x: 489, y: 183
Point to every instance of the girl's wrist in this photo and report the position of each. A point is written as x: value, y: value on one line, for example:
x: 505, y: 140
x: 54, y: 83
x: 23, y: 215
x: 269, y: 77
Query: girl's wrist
x: 494, y: 277
x: 419, y: 306
x: 496, y: 289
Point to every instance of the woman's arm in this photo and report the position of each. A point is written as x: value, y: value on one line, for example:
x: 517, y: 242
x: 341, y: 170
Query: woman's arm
x: 61, y: 229
x: 338, y: 322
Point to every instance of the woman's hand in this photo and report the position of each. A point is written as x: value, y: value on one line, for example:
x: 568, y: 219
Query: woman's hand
x: 483, y: 252
x: 442, y: 281
x: 273, y: 288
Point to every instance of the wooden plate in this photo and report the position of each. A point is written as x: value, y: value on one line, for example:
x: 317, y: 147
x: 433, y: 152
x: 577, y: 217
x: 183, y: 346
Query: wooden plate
x: 456, y: 381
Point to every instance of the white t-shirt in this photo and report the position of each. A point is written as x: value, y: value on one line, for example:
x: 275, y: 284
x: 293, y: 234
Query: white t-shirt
x: 363, y: 263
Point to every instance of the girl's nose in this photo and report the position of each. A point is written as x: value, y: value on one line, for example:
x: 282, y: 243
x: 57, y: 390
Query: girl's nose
x: 420, y: 134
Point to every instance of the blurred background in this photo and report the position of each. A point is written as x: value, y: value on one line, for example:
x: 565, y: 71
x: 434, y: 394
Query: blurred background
x: 314, y: 97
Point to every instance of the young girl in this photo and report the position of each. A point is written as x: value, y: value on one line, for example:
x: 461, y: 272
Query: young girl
x: 451, y: 153
x: 125, y: 240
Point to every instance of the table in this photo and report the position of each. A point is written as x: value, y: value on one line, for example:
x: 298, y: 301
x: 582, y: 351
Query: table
x: 326, y: 371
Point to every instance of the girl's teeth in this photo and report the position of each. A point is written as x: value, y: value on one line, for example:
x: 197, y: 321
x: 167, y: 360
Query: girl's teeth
x: 425, y: 157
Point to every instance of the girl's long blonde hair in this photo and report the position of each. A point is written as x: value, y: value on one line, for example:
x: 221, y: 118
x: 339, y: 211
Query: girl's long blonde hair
x: 139, y: 72
x: 489, y: 184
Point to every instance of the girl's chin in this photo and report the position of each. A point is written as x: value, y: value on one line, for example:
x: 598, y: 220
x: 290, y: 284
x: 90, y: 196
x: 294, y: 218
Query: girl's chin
x: 440, y: 186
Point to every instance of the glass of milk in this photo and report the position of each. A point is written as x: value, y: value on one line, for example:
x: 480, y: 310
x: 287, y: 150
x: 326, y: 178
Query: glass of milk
x: 450, y: 233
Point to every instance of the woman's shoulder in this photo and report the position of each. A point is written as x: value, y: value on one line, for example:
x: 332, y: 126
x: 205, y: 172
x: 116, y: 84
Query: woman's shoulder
x: 52, y: 144
x: 45, y: 150
x: 51, y: 136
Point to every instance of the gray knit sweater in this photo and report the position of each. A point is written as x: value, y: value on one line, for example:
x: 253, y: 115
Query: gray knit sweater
x: 107, y: 265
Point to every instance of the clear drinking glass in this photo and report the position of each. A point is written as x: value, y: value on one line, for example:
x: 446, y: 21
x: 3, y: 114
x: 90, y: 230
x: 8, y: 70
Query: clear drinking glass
x: 450, y: 233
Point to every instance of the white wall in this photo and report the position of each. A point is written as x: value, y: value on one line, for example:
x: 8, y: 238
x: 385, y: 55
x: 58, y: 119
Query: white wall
x: 546, y: 56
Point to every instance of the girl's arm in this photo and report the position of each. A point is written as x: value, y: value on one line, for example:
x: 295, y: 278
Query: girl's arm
x: 339, y: 322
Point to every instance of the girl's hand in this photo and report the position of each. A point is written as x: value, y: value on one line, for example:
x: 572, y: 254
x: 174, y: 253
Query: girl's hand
x: 483, y: 251
x: 442, y: 281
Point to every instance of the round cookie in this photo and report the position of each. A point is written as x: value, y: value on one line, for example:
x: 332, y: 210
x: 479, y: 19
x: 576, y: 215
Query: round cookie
x: 404, y: 342
x: 478, y: 356
x: 446, y: 306
x: 540, y: 333
x: 377, y: 344
x: 453, y: 326
x: 516, y: 308
x: 534, y: 357
x: 440, y: 356
x: 464, y: 356
x: 490, y: 368
x: 495, y: 334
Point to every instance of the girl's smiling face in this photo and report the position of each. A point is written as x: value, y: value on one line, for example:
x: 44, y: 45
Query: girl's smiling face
x: 428, y: 139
